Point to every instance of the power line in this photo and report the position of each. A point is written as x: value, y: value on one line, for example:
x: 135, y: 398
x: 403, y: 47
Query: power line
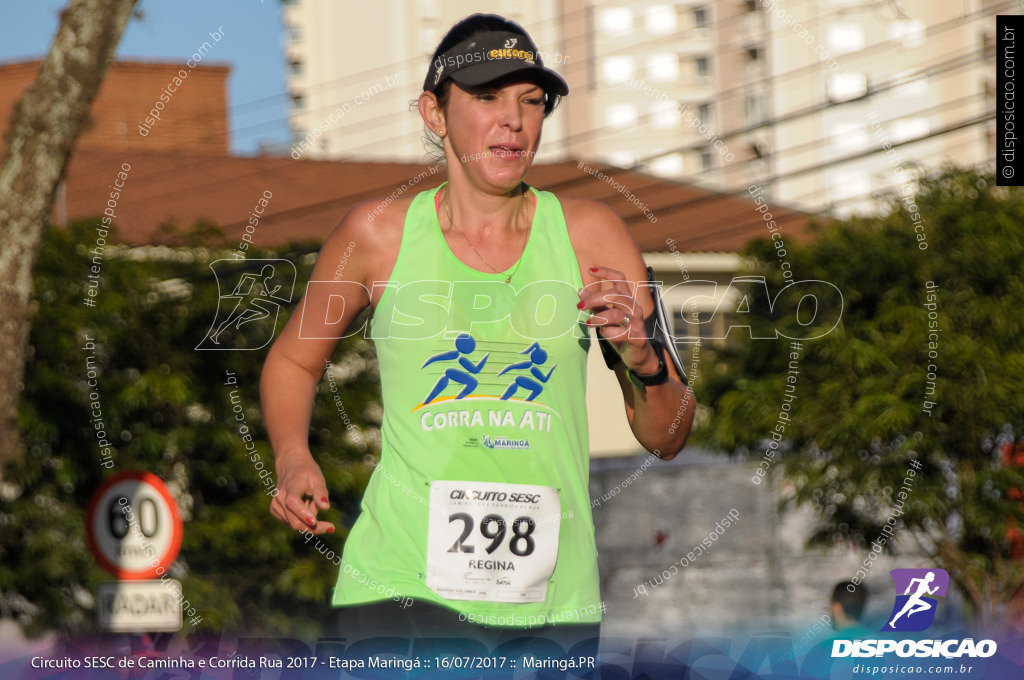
x: 593, y: 134
x: 818, y: 167
x: 877, y: 192
x: 823, y: 141
x: 362, y: 76
x: 941, y: 68
x: 938, y: 28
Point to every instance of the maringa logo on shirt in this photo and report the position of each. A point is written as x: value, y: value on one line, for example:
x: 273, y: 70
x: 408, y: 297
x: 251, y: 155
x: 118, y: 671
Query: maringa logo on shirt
x: 505, y: 443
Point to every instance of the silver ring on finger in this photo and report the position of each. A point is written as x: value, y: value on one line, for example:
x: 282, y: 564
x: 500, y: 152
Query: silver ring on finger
x: 625, y: 322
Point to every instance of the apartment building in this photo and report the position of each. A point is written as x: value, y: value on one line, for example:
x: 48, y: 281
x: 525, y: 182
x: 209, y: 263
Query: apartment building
x: 797, y: 97
x: 859, y: 93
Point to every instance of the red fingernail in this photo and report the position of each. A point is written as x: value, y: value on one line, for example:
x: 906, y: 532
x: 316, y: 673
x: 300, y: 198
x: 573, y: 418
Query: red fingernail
x: 323, y: 499
x: 330, y: 530
x: 310, y: 521
x: 581, y: 305
x: 593, y: 269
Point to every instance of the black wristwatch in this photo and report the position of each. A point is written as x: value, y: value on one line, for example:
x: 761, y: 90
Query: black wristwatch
x: 659, y: 377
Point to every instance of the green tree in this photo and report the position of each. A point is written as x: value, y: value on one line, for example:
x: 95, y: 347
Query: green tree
x: 166, y: 409
x: 885, y: 387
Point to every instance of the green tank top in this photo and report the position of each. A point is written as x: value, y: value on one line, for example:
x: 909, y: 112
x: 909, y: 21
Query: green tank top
x: 480, y: 502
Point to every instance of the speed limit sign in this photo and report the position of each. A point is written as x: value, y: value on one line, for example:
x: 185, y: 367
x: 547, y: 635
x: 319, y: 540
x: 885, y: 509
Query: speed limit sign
x: 133, y: 525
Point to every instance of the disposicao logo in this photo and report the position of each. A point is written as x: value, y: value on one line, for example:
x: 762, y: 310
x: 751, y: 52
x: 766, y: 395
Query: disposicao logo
x: 913, y: 611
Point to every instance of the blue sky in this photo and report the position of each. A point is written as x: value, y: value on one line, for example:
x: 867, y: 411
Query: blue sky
x: 172, y: 31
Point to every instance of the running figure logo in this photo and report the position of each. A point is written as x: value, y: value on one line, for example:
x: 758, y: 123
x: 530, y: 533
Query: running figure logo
x: 537, y: 358
x: 254, y: 298
x: 464, y: 346
x: 914, y: 610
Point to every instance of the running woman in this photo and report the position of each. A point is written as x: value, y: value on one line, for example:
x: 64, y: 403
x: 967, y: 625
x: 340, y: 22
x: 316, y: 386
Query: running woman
x: 484, y: 291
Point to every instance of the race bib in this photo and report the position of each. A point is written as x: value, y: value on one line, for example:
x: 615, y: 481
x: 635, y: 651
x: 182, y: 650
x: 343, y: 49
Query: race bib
x: 491, y: 541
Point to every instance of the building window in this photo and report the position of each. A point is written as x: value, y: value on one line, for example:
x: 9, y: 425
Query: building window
x: 907, y: 33
x: 622, y: 159
x: 691, y: 324
x: 704, y: 113
x: 906, y: 129
x: 663, y: 68
x: 298, y: 103
x: 664, y: 116
x: 617, y: 70
x: 660, y: 19
x: 289, y: 3
x: 755, y: 109
x: 707, y: 161
x: 668, y: 166
x: 847, y: 185
x: 910, y: 85
x: 703, y: 68
x: 848, y: 136
x: 295, y: 68
x: 616, y: 21
x: 845, y: 86
x: 844, y: 37
x: 429, y: 37
x: 294, y: 35
x: 428, y: 9
x: 620, y: 115
x: 700, y: 17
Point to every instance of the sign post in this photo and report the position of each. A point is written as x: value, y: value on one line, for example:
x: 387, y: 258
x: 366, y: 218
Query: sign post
x: 134, y: 532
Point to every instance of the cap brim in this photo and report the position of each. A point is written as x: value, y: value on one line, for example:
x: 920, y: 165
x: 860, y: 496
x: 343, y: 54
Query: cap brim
x: 481, y: 74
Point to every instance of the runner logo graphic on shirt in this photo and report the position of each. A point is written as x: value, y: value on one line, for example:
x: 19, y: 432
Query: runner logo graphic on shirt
x: 537, y: 358
x: 468, y: 374
x: 464, y: 345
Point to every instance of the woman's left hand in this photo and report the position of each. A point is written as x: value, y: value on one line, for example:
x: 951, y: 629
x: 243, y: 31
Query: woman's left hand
x: 619, y: 318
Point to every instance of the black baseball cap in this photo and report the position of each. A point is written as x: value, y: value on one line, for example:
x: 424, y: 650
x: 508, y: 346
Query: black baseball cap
x: 486, y: 57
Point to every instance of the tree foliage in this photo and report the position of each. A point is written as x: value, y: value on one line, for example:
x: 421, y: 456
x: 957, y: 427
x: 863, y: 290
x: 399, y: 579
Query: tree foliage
x: 885, y: 387
x: 166, y: 408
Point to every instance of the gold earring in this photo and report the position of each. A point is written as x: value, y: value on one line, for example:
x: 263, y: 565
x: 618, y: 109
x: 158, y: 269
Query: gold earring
x: 440, y: 131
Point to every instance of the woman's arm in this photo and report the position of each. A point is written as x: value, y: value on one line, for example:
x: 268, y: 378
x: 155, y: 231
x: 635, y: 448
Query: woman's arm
x: 660, y: 416
x: 297, y: 361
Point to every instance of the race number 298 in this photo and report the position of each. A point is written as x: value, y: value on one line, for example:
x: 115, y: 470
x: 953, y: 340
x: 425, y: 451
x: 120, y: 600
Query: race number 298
x: 492, y: 527
x: 492, y: 541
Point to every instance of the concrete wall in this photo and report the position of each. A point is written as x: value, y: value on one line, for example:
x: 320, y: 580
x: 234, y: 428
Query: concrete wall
x: 756, y: 577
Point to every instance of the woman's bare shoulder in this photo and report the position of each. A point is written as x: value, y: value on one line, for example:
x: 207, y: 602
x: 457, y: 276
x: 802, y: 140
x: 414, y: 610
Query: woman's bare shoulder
x: 600, y: 237
x: 367, y: 239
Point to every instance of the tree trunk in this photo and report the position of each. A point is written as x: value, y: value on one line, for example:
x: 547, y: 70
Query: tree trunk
x: 43, y: 131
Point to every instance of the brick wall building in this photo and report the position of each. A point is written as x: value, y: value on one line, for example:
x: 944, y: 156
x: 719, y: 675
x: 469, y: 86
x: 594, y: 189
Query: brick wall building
x: 192, y: 114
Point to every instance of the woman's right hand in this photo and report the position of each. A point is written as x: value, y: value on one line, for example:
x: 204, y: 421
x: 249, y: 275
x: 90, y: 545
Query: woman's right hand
x: 302, y: 493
